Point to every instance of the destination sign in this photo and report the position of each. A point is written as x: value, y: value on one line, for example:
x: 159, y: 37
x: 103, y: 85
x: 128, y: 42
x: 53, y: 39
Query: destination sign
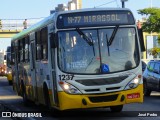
x: 94, y: 18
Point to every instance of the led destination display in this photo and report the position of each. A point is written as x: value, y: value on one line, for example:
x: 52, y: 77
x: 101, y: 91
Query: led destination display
x: 97, y: 18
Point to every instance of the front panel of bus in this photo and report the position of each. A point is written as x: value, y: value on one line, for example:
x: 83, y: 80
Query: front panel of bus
x: 98, y: 59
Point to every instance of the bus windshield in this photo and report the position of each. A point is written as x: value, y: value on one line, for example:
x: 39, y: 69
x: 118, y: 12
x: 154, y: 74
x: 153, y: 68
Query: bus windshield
x: 75, y: 55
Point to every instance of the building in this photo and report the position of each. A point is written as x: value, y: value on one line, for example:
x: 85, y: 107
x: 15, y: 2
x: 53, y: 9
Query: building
x: 61, y: 7
x: 74, y: 4
x: 71, y: 5
x: 150, y: 41
x: 78, y: 4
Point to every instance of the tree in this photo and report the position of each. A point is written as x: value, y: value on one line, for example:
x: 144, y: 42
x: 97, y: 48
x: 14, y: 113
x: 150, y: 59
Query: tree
x: 153, y: 19
x: 152, y: 24
x: 154, y: 51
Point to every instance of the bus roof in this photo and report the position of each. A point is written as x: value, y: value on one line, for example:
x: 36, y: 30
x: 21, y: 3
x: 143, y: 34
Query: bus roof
x: 93, y: 9
x: 50, y: 19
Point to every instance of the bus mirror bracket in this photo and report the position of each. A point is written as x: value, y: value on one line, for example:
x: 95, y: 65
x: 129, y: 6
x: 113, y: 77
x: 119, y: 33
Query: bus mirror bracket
x: 53, y: 40
x: 11, y: 63
x: 141, y: 40
x: 5, y: 57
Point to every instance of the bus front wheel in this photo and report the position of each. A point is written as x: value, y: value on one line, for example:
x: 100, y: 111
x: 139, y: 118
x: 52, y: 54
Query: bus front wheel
x: 10, y: 82
x: 117, y: 108
x: 46, y: 97
x: 26, y: 102
x: 146, y: 91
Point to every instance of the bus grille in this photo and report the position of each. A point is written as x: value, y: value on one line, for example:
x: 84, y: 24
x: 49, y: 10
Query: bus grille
x: 103, y: 98
x: 103, y: 81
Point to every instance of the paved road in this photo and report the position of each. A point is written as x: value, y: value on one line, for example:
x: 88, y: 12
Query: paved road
x: 9, y: 99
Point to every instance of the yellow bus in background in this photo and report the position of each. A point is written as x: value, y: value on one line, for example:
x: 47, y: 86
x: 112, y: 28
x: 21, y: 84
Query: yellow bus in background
x: 8, y: 65
x: 2, y: 63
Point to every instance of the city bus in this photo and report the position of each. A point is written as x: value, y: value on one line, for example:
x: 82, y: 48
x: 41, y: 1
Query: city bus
x: 8, y: 66
x: 2, y: 63
x: 88, y: 58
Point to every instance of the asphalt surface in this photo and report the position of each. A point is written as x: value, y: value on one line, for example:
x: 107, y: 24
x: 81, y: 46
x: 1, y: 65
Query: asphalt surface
x: 10, y: 102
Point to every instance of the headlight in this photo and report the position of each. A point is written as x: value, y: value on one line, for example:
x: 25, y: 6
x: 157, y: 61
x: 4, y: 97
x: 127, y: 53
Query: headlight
x: 133, y: 83
x: 69, y: 88
x: 10, y: 71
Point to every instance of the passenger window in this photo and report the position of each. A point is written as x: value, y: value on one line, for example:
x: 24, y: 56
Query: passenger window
x: 38, y: 46
x: 26, y: 48
x: 44, y: 38
x: 42, y: 44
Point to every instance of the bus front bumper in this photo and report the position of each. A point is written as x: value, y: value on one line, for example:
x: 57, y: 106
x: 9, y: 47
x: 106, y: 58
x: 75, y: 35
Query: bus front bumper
x: 68, y: 101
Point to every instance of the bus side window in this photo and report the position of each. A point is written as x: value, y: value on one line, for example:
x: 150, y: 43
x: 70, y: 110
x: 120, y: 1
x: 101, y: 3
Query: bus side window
x: 44, y: 39
x: 38, y: 46
x: 26, y: 49
x: 19, y: 51
x: 53, y: 40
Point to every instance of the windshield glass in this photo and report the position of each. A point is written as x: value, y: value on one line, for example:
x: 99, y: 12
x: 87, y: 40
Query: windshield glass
x: 77, y: 55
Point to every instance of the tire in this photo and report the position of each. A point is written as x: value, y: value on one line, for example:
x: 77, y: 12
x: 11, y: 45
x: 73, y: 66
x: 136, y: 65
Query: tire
x: 117, y: 108
x: 10, y: 82
x: 46, y: 97
x: 26, y: 102
x: 50, y: 109
x: 146, y: 91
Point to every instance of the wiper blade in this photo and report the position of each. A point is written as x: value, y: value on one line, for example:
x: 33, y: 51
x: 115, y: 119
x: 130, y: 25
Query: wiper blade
x: 85, y: 37
x: 113, y: 35
x: 93, y: 44
x: 108, y: 45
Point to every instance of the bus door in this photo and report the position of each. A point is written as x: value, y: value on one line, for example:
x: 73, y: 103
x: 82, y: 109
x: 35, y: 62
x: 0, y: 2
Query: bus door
x: 16, y: 71
x: 53, y: 46
x: 33, y: 70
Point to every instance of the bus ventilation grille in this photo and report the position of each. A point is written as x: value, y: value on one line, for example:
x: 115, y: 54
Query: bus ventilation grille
x: 103, y: 98
x: 102, y: 81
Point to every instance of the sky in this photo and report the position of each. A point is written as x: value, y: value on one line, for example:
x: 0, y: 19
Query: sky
x: 26, y: 9
x: 21, y: 9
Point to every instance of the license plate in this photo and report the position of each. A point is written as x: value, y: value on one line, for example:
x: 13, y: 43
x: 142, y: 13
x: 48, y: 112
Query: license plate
x: 132, y: 96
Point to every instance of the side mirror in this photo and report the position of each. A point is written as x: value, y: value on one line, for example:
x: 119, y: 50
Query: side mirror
x: 11, y: 63
x: 5, y: 57
x: 53, y: 40
x: 141, y: 40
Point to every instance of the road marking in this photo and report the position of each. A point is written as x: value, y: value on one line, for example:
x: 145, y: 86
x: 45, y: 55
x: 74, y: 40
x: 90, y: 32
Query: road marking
x: 8, y: 97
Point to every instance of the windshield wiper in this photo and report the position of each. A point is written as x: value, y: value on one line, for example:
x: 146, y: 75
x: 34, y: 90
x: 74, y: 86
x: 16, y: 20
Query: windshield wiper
x: 108, y: 44
x: 112, y: 36
x: 93, y: 44
x: 85, y: 37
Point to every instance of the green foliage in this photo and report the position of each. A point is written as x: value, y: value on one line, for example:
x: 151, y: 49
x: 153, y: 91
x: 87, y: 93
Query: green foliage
x: 158, y: 39
x: 154, y: 51
x: 153, y: 19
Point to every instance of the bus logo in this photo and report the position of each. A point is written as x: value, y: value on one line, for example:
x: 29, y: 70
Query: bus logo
x: 105, y: 68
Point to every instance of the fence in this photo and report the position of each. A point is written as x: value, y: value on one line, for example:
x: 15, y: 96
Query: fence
x: 11, y: 24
